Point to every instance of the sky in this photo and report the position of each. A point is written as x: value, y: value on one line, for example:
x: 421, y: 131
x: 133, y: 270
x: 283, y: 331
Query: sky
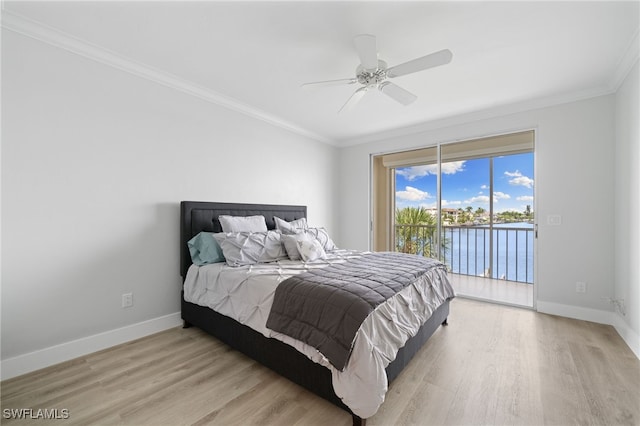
x: 466, y: 183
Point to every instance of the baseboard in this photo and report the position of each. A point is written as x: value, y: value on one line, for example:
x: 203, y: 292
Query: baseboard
x: 629, y: 336
x: 575, y: 312
x: 32, y: 361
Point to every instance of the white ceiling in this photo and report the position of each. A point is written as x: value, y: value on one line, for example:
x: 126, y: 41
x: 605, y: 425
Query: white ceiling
x: 254, y: 56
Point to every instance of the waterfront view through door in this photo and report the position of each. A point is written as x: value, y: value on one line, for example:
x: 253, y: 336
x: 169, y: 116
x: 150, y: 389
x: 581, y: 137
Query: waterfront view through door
x: 476, y: 213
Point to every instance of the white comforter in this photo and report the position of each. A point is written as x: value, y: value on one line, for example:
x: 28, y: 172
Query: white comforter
x: 246, y: 294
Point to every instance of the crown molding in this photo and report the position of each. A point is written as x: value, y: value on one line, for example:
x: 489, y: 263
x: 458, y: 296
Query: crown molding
x: 479, y: 115
x: 626, y: 63
x: 41, y: 32
x: 622, y: 69
x: 46, y: 34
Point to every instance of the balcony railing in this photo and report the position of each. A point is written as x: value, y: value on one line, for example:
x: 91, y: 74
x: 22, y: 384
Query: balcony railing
x: 466, y: 249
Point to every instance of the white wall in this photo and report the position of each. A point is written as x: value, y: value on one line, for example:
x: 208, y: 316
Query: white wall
x: 627, y: 209
x: 94, y: 164
x: 574, y: 177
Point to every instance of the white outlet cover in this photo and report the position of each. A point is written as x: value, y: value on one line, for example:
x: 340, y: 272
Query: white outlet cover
x: 554, y: 219
x: 127, y: 300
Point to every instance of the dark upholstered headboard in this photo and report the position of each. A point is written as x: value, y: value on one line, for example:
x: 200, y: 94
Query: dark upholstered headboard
x: 198, y: 216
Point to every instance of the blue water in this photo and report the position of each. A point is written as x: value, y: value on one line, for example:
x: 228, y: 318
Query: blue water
x: 512, y: 253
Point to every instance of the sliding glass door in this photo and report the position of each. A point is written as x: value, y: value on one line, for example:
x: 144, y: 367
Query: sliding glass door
x: 513, y: 224
x: 469, y: 204
x: 466, y: 216
x: 488, y: 217
x: 416, y: 210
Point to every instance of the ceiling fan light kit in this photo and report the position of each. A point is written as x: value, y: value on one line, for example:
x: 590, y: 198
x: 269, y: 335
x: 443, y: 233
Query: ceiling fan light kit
x: 370, y: 77
x: 373, y: 72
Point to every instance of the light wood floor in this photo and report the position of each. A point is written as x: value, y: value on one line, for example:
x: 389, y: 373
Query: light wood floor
x: 493, y: 364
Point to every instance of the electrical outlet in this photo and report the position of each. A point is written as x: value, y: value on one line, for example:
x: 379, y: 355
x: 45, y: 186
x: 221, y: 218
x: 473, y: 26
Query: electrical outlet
x: 581, y: 287
x: 127, y: 300
x: 554, y: 219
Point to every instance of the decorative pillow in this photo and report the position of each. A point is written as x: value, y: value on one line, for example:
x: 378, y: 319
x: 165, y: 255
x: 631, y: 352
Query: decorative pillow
x: 323, y: 238
x: 248, y: 248
x: 204, y: 249
x: 292, y: 227
x: 290, y: 243
x: 243, y: 223
x: 310, y: 250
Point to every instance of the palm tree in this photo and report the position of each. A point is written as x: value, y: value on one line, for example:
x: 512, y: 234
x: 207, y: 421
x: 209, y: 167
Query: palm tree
x: 417, y: 235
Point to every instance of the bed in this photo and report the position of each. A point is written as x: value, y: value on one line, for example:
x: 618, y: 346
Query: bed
x: 281, y: 357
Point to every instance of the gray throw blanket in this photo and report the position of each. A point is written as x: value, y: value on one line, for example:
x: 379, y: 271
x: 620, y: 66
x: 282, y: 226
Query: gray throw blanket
x: 325, y: 307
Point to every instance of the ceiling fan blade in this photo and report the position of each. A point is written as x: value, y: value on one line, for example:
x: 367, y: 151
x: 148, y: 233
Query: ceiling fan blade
x: 332, y: 82
x: 419, y: 64
x: 397, y: 93
x: 367, y: 50
x: 354, y: 99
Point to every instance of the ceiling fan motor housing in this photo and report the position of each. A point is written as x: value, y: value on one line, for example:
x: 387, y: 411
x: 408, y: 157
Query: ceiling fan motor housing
x: 372, y: 77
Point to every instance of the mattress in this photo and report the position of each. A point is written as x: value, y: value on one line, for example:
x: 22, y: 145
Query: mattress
x: 246, y: 295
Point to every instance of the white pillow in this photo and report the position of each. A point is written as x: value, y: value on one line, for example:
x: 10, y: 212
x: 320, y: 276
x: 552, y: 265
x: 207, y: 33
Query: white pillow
x: 323, y: 238
x: 292, y: 227
x: 312, y: 234
x: 248, y: 248
x: 291, y: 244
x: 242, y: 223
x: 310, y: 250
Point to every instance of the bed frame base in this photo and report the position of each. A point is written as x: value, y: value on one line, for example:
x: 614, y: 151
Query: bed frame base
x: 287, y: 361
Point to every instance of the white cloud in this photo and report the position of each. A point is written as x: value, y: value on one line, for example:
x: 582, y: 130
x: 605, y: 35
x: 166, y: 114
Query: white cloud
x: 508, y: 209
x: 429, y: 206
x: 484, y: 199
x: 412, y: 194
x: 453, y: 167
x: 446, y: 203
x: 519, y: 180
x: 522, y: 181
x: 528, y: 198
x: 480, y: 199
x: 415, y: 172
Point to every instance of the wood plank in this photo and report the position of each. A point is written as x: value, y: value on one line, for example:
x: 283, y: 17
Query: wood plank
x: 492, y: 365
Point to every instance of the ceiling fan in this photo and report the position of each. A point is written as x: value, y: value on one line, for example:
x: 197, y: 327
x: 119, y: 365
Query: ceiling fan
x: 373, y: 73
